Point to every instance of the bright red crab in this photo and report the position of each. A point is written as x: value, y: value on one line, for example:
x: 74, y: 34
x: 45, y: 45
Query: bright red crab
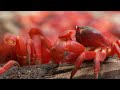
x: 37, y: 49
x: 17, y: 50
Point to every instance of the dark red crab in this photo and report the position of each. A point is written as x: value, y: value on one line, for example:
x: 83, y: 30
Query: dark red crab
x: 97, y: 43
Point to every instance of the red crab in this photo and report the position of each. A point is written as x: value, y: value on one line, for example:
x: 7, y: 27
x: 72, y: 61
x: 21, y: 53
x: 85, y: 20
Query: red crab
x: 38, y: 50
x: 98, y: 44
x: 23, y: 51
x: 71, y: 47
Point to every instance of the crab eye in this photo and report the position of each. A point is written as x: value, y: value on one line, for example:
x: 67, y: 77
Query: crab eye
x: 76, y: 27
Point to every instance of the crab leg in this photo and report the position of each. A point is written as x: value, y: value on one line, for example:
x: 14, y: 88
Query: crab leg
x: 37, y: 32
x: 86, y: 55
x: 21, y: 51
x: 116, y: 48
x: 45, y: 53
x: 100, y: 57
x: 41, y: 44
x: 29, y: 51
x: 7, y: 66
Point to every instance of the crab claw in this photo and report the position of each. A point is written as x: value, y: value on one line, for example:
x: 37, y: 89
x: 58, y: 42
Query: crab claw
x: 68, y: 35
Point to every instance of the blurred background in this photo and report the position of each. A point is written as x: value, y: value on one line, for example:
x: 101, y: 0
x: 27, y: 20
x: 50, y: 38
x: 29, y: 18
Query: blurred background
x: 52, y: 23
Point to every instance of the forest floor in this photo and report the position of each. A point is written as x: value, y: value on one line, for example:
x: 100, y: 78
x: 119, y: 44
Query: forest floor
x: 110, y: 69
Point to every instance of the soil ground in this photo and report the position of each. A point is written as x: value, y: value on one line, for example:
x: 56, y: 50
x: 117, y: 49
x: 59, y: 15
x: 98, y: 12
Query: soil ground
x: 110, y: 69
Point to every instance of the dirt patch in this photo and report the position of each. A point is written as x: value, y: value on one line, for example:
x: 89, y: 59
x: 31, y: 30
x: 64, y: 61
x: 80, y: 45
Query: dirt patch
x: 109, y: 70
x: 29, y: 72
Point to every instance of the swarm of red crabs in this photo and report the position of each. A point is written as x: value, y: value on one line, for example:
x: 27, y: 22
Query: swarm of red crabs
x: 72, y: 46
x: 59, y: 21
